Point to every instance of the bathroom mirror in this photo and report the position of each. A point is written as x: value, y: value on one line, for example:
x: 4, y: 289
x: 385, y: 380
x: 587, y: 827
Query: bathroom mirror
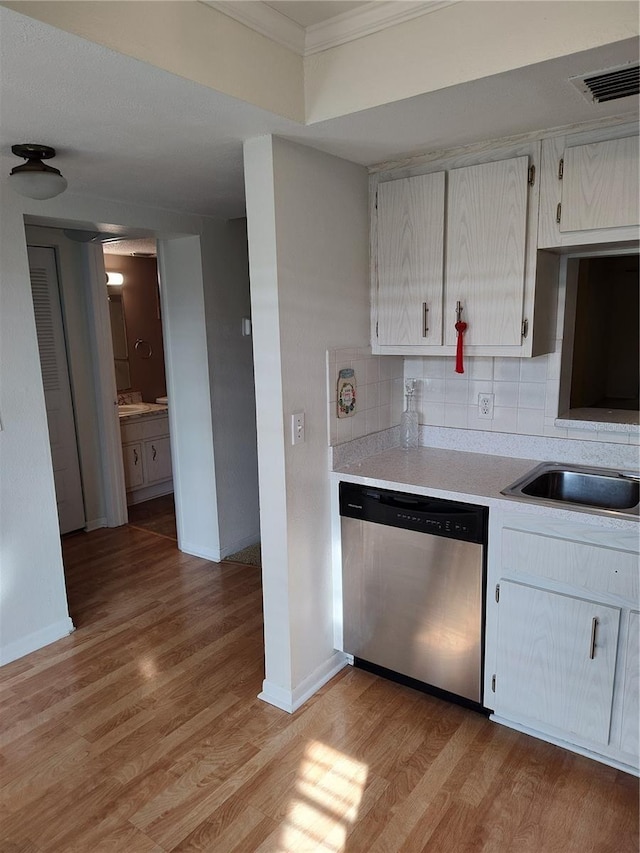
x: 119, y: 338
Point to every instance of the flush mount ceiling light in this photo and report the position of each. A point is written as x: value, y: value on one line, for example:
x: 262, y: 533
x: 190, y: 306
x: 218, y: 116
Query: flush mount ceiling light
x: 34, y: 179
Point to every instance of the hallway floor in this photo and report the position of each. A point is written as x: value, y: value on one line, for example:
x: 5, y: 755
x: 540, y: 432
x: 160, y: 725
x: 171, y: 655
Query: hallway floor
x: 141, y: 732
x: 157, y: 515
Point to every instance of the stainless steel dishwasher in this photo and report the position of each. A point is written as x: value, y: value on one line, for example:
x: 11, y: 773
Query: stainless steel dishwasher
x: 413, y: 584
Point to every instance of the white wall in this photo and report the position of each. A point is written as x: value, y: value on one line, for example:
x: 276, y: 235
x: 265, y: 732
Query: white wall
x: 190, y: 416
x: 33, y: 603
x: 422, y: 55
x: 308, y: 249
x: 191, y: 40
x: 227, y: 300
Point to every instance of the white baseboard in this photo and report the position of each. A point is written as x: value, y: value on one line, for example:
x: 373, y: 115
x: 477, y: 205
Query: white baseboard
x: 291, y: 700
x: 37, y: 640
x: 95, y: 524
x: 239, y: 545
x: 146, y: 493
x: 212, y: 554
x: 609, y: 760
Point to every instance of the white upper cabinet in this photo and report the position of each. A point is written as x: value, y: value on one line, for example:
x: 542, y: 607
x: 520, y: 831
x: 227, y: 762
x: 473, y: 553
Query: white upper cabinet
x: 410, y: 260
x: 485, y: 256
x: 600, y: 185
x: 462, y: 230
x: 589, y: 188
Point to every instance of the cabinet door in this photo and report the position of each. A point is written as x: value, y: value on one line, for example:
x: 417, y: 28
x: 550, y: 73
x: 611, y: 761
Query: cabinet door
x: 133, y: 471
x: 631, y: 702
x: 410, y: 260
x: 600, y: 185
x: 556, y: 660
x: 157, y: 459
x: 485, y: 256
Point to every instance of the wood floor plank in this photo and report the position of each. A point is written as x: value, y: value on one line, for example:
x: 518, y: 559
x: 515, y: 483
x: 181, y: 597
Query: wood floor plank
x: 142, y: 733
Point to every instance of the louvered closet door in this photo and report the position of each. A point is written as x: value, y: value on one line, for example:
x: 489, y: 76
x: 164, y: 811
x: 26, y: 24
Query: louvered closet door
x: 57, y: 391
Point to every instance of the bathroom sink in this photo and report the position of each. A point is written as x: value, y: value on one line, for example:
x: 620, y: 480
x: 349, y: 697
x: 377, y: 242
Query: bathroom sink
x: 599, y: 488
x: 133, y: 408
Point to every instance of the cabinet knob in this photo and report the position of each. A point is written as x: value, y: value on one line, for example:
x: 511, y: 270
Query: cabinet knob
x: 135, y: 456
x: 154, y: 451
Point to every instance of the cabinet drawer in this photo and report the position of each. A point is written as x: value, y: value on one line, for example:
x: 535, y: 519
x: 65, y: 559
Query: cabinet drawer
x: 131, y: 431
x: 152, y: 427
x: 598, y: 569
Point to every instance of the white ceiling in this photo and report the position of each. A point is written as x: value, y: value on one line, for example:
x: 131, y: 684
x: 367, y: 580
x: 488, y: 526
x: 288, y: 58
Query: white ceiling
x: 310, y: 12
x: 125, y: 130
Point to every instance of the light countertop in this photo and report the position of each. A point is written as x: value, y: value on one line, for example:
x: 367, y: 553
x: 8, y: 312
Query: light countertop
x: 468, y: 477
x: 140, y: 410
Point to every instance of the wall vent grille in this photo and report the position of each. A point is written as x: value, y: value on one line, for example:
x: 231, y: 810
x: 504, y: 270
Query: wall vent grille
x: 609, y: 85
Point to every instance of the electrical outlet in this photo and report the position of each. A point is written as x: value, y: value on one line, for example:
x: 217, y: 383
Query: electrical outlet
x: 297, y: 428
x: 485, y: 406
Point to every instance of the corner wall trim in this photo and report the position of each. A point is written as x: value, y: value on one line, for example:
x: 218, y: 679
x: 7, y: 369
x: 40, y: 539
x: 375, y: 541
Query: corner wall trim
x: 37, y: 640
x: 291, y: 700
x: 195, y: 551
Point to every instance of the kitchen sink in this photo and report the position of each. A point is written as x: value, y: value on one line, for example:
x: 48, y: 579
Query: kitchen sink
x: 599, y: 488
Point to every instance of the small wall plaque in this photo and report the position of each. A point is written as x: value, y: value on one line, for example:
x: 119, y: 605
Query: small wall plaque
x: 346, y: 393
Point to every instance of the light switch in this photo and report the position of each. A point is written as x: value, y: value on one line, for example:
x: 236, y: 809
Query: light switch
x: 297, y: 428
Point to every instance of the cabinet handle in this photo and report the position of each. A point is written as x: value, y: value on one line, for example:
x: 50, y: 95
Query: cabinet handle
x: 425, y: 319
x: 592, y: 645
x: 135, y: 456
x: 155, y: 452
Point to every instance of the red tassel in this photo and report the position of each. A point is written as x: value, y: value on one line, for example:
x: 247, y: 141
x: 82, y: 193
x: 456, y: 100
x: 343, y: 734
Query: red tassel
x: 460, y: 329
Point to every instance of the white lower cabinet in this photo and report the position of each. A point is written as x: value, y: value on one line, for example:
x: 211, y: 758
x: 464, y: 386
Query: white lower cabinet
x: 556, y: 660
x: 146, y: 456
x: 157, y: 459
x: 630, y: 726
x: 563, y: 632
x: 133, y: 471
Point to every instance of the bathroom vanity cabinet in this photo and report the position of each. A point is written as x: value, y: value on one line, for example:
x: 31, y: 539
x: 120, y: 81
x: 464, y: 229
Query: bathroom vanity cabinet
x: 146, y: 455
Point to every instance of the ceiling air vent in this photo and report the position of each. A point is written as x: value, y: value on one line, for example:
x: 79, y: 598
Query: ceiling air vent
x: 609, y: 85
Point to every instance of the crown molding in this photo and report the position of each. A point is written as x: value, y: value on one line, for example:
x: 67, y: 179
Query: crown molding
x: 264, y: 20
x: 375, y: 16
x: 372, y: 18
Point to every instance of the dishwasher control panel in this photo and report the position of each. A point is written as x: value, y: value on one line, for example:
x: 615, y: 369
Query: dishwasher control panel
x: 450, y: 519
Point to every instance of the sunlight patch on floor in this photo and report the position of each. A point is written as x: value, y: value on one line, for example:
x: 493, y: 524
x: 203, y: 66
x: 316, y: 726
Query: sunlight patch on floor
x: 325, y: 805
x: 148, y: 667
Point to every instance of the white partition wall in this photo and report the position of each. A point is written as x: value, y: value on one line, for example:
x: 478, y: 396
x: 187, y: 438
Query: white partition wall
x: 307, y: 218
x: 33, y: 600
x: 187, y: 369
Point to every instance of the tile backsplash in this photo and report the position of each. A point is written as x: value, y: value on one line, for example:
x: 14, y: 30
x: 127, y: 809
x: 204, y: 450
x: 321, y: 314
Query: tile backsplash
x: 525, y: 393
x: 525, y: 390
x: 379, y: 393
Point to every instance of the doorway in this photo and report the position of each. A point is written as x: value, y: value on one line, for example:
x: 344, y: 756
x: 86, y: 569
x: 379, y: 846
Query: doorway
x: 138, y: 356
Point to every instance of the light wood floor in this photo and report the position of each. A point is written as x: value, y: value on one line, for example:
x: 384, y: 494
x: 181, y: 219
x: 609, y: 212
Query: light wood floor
x: 142, y: 732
